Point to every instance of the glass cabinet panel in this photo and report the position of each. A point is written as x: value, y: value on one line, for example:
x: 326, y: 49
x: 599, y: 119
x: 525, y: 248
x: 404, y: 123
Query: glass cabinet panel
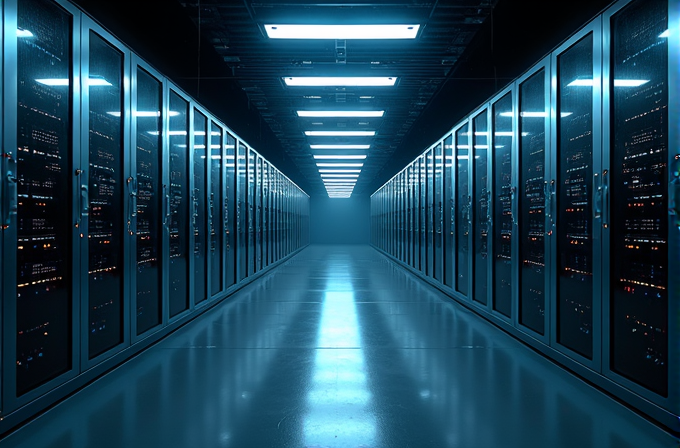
x: 250, y: 205
x: 198, y: 215
x: 149, y: 196
x: 241, y: 214
x: 449, y: 215
x: 44, y: 295
x: 105, y: 225
x: 179, y: 204
x: 258, y: 213
x: 438, y: 210
x: 429, y: 210
x: 532, y: 128
x: 639, y: 232
x: 215, y: 213
x: 574, y: 198
x: 230, y: 210
x: 480, y: 138
x: 502, y: 138
x: 463, y: 209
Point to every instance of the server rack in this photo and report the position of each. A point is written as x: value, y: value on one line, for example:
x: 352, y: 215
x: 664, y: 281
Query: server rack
x: 124, y: 206
x: 561, y: 213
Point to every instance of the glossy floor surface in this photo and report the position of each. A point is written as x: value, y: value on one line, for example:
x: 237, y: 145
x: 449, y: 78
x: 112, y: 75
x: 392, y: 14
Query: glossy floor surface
x: 338, y: 347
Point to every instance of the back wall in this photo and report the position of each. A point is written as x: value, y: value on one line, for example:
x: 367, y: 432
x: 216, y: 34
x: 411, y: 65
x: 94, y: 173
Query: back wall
x: 340, y: 221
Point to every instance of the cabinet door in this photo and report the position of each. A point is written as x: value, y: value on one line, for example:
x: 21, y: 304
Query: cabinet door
x: 39, y: 290
x: 178, y: 144
x: 533, y: 140
x: 148, y: 200
x: 463, y: 210
x: 230, y: 210
x: 481, y: 208
x: 449, y: 217
x: 438, y: 211
x: 241, y: 213
x: 107, y: 193
x: 577, y: 272
x: 215, y: 212
x: 199, y: 219
x: 504, y: 205
x: 638, y: 240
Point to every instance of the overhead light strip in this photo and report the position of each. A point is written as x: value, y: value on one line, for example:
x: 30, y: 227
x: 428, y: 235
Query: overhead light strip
x: 340, y: 156
x: 386, y: 31
x: 340, y: 133
x: 339, y: 146
x: 340, y: 113
x: 339, y: 81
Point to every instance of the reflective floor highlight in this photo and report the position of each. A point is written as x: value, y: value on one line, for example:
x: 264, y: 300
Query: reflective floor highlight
x: 338, y: 347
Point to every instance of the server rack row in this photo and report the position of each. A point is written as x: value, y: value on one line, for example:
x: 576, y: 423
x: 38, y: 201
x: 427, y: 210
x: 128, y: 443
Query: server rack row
x: 127, y: 208
x: 551, y: 209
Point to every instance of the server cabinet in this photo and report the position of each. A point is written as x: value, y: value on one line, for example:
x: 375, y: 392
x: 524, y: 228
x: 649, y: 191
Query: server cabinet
x: 537, y: 194
x: 642, y: 240
x: 422, y: 213
x: 199, y: 219
x: 403, y: 237
x: 250, y: 212
x: 40, y: 153
x: 575, y: 165
x: 428, y: 158
x: 416, y: 214
x: 215, y: 212
x: 504, y: 210
x: 481, y: 191
x: 258, y: 213
x: 438, y: 211
x: 266, y: 167
x: 409, y: 215
x: 178, y: 144
x: 107, y: 198
x: 276, y: 217
x: 241, y: 212
x: 147, y: 220
x: 230, y: 207
x: 449, y: 215
x: 463, y: 201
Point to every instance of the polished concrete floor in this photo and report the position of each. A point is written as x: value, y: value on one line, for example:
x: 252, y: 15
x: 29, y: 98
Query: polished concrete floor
x: 338, y: 347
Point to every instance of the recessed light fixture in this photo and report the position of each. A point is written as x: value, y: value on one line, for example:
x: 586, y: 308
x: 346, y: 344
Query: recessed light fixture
x: 339, y: 180
x: 347, y: 176
x: 339, y: 171
x: 340, y: 113
x: 340, y: 165
x: 340, y: 133
x: 290, y: 31
x: 339, y: 146
x: 340, y: 156
x: 339, y: 81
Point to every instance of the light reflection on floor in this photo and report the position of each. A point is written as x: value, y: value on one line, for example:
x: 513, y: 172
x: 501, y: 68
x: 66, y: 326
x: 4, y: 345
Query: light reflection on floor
x: 339, y: 402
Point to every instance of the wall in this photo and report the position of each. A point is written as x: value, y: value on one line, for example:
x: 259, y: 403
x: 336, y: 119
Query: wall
x: 340, y: 221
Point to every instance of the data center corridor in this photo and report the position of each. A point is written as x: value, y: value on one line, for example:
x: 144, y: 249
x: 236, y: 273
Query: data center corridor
x: 339, y: 347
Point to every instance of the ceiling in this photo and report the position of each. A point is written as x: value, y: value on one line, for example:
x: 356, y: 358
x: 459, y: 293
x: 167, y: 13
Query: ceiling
x: 236, y: 31
x: 219, y: 52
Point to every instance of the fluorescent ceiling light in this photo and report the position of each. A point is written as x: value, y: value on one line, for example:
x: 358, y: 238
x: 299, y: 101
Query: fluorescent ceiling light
x: 340, y: 133
x: 340, y: 165
x: 339, y: 146
x: 65, y: 82
x: 339, y: 171
x: 617, y: 82
x: 339, y: 81
x: 630, y: 82
x: 278, y: 31
x: 23, y: 33
x: 324, y: 176
x: 340, y: 113
x: 340, y: 156
x: 665, y: 34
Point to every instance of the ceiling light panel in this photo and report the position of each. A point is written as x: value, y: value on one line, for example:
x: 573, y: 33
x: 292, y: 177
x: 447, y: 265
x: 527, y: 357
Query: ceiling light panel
x: 340, y: 81
x: 340, y: 156
x: 340, y: 165
x: 339, y: 146
x: 340, y: 133
x: 343, y: 32
x: 340, y: 113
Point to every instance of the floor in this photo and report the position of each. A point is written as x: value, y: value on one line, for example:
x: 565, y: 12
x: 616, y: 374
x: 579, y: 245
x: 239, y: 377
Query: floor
x: 338, y: 347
